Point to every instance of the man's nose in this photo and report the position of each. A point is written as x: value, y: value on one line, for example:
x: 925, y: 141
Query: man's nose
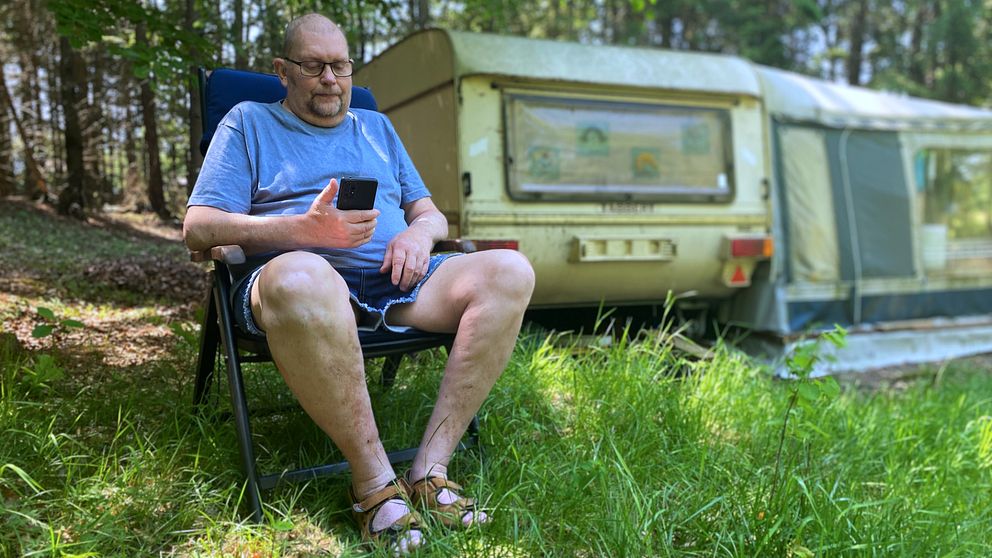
x: 327, y: 74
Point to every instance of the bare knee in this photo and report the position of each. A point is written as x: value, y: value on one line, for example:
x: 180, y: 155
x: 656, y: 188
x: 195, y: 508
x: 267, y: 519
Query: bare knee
x: 301, y: 289
x: 507, y: 277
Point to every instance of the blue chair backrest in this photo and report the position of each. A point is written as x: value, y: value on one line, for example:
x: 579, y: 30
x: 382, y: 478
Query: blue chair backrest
x: 223, y: 88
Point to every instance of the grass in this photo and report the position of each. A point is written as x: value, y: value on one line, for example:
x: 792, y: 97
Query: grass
x: 624, y: 450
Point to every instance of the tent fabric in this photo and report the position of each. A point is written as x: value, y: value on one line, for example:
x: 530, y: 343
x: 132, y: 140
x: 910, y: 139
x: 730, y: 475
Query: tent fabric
x: 812, y: 235
x: 874, y: 218
x: 800, y: 98
x: 821, y: 314
x: 761, y: 306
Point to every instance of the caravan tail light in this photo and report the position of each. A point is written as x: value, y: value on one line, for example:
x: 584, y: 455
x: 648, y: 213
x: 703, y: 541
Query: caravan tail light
x: 752, y: 247
x: 496, y: 244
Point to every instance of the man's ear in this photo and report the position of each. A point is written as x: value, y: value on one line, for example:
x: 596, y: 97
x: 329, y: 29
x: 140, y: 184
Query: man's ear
x: 279, y: 65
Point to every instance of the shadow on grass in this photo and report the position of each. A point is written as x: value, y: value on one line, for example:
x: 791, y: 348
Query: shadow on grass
x: 100, y: 261
x: 101, y: 417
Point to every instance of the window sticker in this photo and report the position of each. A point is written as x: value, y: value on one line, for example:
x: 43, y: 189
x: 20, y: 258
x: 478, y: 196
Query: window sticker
x: 696, y: 138
x: 644, y: 162
x: 593, y: 139
x: 543, y: 162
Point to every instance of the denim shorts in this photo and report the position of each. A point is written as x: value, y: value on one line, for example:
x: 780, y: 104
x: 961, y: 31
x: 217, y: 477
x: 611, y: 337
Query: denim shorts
x: 372, y: 292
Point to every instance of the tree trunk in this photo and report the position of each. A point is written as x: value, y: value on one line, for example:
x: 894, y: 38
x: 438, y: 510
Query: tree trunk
x: 570, y: 20
x: 194, y: 159
x: 72, y: 199
x: 856, y: 56
x: 56, y: 129
x: 666, y: 25
x: 156, y: 194
x: 35, y: 179
x: 238, y: 36
x: 273, y: 28
x: 8, y: 184
x: 420, y: 15
x: 132, y: 178
x: 93, y: 132
x: 915, y: 69
x: 831, y: 35
x: 934, y: 49
x: 361, y: 33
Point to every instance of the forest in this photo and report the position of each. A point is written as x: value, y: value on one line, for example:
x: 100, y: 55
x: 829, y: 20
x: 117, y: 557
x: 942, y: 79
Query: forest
x: 99, y: 102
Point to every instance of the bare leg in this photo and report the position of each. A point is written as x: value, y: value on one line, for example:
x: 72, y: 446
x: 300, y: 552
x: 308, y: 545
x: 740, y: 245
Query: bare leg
x: 303, y: 306
x: 482, y: 298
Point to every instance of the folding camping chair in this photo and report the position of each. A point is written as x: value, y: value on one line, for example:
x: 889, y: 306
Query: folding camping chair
x: 222, y: 340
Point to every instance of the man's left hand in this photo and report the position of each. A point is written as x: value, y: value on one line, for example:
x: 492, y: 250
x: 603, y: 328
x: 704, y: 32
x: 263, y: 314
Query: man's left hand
x: 408, y: 256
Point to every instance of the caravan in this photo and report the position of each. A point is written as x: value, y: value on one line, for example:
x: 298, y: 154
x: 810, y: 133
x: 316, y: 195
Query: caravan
x: 621, y: 173
x: 785, y: 203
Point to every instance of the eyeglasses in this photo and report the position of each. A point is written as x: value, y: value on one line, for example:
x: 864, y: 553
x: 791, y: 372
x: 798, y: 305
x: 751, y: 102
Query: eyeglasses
x: 314, y: 68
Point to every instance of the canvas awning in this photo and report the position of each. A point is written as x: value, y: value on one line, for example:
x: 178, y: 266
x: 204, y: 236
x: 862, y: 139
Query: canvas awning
x: 791, y: 96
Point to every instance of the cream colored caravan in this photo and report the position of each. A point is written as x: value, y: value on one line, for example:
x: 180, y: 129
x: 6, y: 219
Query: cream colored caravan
x: 622, y: 173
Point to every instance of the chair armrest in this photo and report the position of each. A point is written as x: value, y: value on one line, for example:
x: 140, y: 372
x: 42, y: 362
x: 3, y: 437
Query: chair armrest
x: 231, y: 255
x: 454, y: 245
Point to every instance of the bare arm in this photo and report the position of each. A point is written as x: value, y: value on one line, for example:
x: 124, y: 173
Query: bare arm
x: 408, y: 254
x: 427, y: 218
x: 322, y: 226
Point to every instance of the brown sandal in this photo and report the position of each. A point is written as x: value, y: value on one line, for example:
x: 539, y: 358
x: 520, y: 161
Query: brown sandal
x: 425, y: 493
x: 364, y: 511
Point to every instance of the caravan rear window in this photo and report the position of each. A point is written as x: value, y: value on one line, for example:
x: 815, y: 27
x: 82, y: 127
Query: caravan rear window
x: 569, y: 149
x: 956, y: 191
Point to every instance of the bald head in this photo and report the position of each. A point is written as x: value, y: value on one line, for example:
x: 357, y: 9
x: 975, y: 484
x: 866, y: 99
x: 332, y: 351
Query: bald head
x: 309, y: 23
x: 318, y: 99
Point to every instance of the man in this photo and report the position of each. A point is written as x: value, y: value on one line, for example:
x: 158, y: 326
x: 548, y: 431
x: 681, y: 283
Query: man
x: 268, y: 184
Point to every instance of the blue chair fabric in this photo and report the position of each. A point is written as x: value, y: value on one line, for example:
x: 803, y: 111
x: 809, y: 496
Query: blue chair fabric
x: 223, y: 88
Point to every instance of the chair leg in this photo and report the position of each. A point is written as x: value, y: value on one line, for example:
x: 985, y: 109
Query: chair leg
x: 389, y: 367
x: 239, y: 405
x: 209, y: 336
x: 473, y: 429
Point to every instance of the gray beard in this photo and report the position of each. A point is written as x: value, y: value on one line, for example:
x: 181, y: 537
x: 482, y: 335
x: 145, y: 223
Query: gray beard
x: 316, y: 109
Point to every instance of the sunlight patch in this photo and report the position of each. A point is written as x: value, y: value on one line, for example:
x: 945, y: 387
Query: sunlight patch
x: 298, y: 538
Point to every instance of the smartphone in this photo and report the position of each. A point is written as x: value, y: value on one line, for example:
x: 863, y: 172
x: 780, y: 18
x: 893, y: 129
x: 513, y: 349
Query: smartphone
x: 357, y: 193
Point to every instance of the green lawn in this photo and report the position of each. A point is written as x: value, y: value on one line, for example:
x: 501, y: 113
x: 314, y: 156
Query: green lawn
x: 627, y: 450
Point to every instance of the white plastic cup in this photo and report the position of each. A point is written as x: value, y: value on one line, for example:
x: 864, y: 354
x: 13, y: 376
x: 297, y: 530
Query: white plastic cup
x: 933, y: 246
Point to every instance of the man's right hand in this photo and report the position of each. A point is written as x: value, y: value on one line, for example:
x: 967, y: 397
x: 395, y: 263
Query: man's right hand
x: 334, y: 228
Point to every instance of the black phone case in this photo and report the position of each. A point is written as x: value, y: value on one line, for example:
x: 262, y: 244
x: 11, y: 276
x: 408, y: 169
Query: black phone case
x: 357, y: 193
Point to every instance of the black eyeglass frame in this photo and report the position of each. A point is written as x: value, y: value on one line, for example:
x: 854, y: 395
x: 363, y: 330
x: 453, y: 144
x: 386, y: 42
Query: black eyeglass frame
x: 350, y: 62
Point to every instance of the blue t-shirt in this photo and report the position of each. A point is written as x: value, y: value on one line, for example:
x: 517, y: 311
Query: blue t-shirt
x: 265, y: 161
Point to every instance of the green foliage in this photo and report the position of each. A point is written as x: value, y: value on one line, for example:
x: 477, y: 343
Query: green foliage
x: 52, y: 324
x: 43, y: 371
x: 187, y: 333
x: 808, y: 396
x: 112, y: 23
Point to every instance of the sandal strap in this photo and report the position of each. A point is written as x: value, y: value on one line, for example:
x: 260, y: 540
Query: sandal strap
x: 365, y: 511
x: 396, y: 488
x: 430, y: 487
x: 437, y: 483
